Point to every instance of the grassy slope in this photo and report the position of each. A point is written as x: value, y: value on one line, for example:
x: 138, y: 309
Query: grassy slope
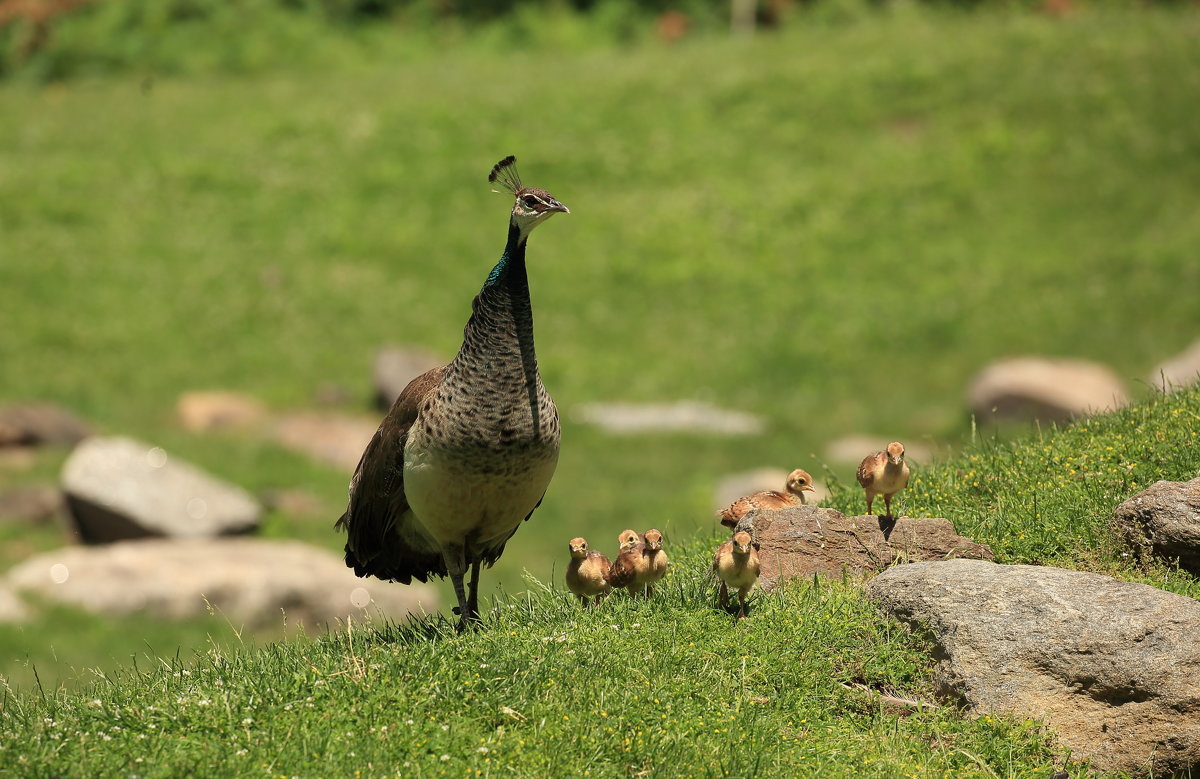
x: 833, y: 227
x: 654, y: 688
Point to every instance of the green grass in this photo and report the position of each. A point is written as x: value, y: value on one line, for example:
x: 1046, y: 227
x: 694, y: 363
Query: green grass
x: 662, y: 687
x: 833, y: 227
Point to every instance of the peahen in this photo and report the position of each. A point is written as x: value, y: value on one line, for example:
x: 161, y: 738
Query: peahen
x: 468, y: 449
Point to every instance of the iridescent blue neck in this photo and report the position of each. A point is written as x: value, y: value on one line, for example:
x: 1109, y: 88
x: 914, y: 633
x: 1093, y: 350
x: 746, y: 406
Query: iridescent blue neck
x: 513, y: 259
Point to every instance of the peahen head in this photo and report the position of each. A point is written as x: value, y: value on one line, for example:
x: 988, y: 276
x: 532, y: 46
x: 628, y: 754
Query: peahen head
x: 533, y: 206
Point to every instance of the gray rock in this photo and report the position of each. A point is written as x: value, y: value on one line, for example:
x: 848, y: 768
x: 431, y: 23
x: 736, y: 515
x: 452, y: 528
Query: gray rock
x: 395, y: 367
x: 119, y: 488
x: 795, y: 543
x: 37, y: 504
x: 1112, y: 667
x: 737, y: 485
x: 1023, y: 389
x: 12, y: 608
x: 330, y: 438
x: 251, y: 581
x: 1182, y: 370
x: 1164, y: 520
x: 684, y: 416
x: 39, y: 424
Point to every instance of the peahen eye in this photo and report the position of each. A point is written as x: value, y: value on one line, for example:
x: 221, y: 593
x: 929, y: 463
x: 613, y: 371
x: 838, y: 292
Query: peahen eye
x: 530, y: 201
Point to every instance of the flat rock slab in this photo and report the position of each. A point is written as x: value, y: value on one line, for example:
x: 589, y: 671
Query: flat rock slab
x: 1164, y: 520
x: 334, y: 439
x: 795, y: 543
x: 1113, y: 667
x: 202, y: 412
x: 120, y: 488
x: 252, y: 581
x: 684, y: 416
x: 851, y: 449
x: 40, y: 424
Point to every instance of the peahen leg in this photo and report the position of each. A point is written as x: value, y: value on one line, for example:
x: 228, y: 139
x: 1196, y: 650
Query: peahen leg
x: 456, y: 567
x: 473, y: 598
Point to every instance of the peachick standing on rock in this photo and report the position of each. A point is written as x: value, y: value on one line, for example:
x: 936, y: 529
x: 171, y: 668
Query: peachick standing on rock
x: 736, y: 565
x: 798, y: 482
x: 468, y: 449
x: 587, y: 573
x: 884, y: 473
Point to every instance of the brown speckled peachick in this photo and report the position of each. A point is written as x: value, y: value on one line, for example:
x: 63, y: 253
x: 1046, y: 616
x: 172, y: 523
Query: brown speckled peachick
x: 884, y: 473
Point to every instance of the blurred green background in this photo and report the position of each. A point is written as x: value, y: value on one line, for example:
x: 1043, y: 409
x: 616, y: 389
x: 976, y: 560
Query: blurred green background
x: 833, y: 223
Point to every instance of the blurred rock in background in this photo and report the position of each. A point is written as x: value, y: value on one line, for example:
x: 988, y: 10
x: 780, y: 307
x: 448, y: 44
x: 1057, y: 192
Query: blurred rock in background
x: 120, y: 488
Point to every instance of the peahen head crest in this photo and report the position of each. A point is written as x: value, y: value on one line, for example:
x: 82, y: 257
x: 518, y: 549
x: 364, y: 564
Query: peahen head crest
x: 533, y: 206
x: 505, y: 174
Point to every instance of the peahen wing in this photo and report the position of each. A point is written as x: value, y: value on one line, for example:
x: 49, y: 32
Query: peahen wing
x: 384, y: 538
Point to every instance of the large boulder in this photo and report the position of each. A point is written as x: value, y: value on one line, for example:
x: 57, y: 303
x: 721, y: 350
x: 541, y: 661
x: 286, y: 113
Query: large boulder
x: 795, y: 543
x: 395, y: 367
x: 1182, y: 370
x: 120, y: 488
x: 38, y: 424
x: 1023, y: 389
x: 1164, y: 520
x: 252, y: 581
x: 1112, y: 667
